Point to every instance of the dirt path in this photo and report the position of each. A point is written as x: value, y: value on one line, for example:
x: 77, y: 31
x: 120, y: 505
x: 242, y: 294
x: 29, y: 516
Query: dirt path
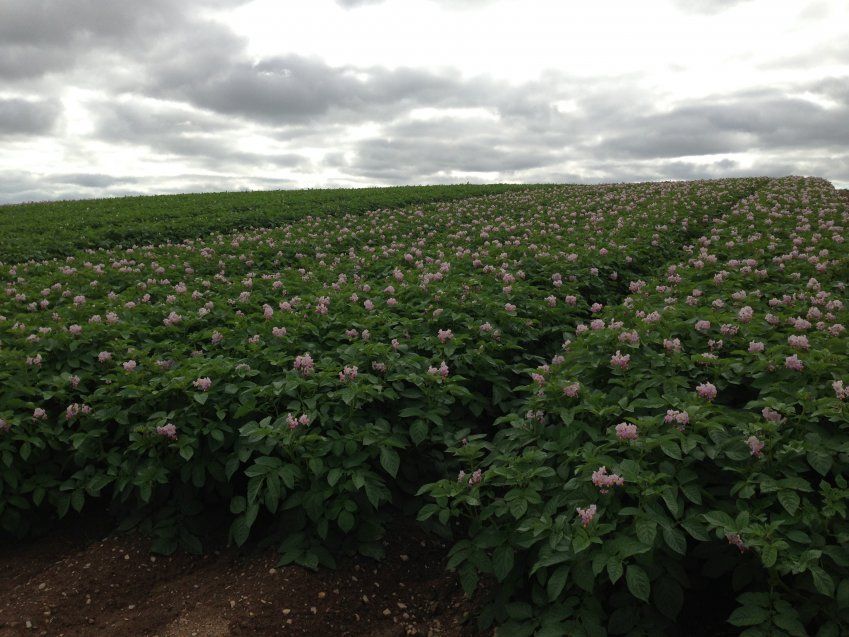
x: 69, y: 584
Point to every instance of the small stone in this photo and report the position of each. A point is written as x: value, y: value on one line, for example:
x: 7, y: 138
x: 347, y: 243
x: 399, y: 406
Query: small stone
x: 386, y: 612
x: 42, y: 586
x: 286, y: 611
x: 131, y: 606
x: 404, y: 558
x: 232, y: 603
x: 313, y: 610
x: 272, y: 571
x: 29, y: 624
x: 365, y: 598
x: 402, y: 605
x: 322, y: 594
x: 126, y: 556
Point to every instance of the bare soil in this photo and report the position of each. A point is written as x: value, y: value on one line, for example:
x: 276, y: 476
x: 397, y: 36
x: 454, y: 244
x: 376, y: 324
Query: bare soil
x: 84, y: 581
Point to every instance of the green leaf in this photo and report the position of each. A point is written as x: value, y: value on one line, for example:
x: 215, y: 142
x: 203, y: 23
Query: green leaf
x: 646, y: 530
x: 748, y: 616
x: 502, y: 562
x: 790, y: 622
x: 789, y: 500
x: 638, y: 582
x: 418, y: 432
x: 201, y: 398
x: 671, y: 449
x: 822, y: 580
x: 820, y: 461
x: 675, y: 539
x: 389, y: 460
x: 468, y: 579
x: 240, y: 529
x: 556, y: 582
x: 614, y: 569
x: 769, y: 555
x: 345, y: 521
x: 333, y: 476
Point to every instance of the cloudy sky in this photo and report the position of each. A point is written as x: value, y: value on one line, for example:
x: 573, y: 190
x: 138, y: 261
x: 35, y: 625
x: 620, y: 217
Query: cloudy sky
x: 114, y: 97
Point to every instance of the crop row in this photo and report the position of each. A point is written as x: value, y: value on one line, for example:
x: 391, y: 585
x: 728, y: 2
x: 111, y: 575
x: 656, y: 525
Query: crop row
x: 689, y: 443
x: 62, y: 228
x: 565, y: 348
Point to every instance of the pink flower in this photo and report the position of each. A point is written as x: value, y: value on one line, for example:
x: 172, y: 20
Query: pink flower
x: 626, y: 431
x: 840, y: 391
x: 129, y: 365
x: 75, y: 330
x: 706, y: 391
x: 771, y: 415
x: 167, y: 431
x: 203, y: 384
x: 756, y: 347
x: 587, y: 514
x: 476, y: 478
x: 794, y: 363
x: 745, y: 314
x: 596, y: 308
x: 445, y: 335
x: 604, y: 482
x: 294, y: 422
x: 701, y: 326
x: 798, y: 342
x: 441, y: 372
x: 278, y: 332
x: 304, y: 364
x: 621, y: 361
x: 74, y: 381
x: 673, y: 345
x: 4, y: 426
x: 572, y: 389
x: 736, y: 540
x: 39, y: 414
x: 509, y: 308
x: 631, y: 337
x: 104, y: 356
x: 755, y: 446
x: 368, y: 304
x: 680, y: 418
x: 348, y: 373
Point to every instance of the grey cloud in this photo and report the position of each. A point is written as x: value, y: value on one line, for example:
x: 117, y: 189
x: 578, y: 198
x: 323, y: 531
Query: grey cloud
x: 45, y: 36
x: 27, y: 117
x: 748, y: 121
x: 22, y: 186
x: 295, y: 90
x: 208, y: 140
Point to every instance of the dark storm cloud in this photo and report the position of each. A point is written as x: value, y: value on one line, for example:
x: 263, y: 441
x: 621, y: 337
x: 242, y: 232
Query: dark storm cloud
x: 27, y: 117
